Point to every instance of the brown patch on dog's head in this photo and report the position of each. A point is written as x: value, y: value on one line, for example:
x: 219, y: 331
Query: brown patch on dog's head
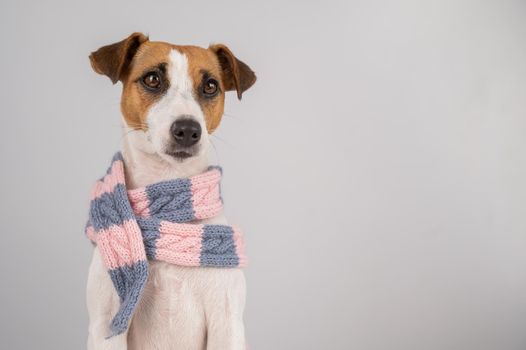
x: 134, y: 58
x: 136, y: 100
x: 204, y: 67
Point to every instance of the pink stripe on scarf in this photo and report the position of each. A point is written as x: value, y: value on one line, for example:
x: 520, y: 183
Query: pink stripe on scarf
x: 179, y: 244
x: 92, y: 235
x: 206, y: 196
x: 139, y: 202
x: 240, y: 246
x: 108, y: 183
x: 121, y: 245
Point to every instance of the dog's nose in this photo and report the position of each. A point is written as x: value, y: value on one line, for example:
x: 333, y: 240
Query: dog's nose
x: 186, y: 132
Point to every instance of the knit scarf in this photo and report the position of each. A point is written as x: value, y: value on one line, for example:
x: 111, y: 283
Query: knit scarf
x: 155, y: 222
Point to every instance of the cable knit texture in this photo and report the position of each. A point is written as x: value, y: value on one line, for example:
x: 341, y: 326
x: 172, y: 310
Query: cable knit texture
x: 155, y: 222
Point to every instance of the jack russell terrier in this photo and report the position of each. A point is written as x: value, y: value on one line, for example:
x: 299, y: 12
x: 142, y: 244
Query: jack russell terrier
x: 156, y: 218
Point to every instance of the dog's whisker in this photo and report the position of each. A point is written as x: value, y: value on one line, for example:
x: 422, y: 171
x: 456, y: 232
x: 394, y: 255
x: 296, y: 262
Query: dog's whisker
x: 137, y: 127
x: 135, y: 124
x: 222, y: 140
x: 215, y: 150
x: 127, y: 133
x: 131, y: 125
x: 232, y: 116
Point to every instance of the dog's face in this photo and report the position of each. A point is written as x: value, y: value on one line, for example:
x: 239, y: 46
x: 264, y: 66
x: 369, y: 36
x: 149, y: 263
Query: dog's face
x: 173, y: 96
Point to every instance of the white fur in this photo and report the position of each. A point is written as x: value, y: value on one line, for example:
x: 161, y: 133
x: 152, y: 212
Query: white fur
x: 178, y: 101
x: 181, y: 308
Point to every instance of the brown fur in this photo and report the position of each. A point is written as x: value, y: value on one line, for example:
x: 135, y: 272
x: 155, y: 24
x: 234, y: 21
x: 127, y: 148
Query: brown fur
x: 135, y: 101
x: 236, y: 74
x: 129, y: 59
x: 113, y: 60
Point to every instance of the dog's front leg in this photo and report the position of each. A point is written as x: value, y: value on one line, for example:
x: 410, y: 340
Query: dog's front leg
x: 224, y: 305
x: 103, y: 303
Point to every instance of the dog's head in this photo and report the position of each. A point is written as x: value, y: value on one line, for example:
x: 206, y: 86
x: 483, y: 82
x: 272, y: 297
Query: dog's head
x: 173, y: 96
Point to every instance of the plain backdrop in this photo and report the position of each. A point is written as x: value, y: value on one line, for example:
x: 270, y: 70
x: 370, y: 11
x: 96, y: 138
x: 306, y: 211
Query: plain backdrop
x: 377, y: 167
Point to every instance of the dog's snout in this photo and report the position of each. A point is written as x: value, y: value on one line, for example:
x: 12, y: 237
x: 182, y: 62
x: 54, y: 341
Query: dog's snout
x: 186, y: 132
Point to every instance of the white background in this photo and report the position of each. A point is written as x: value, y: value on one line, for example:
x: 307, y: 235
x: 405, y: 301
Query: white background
x: 377, y: 167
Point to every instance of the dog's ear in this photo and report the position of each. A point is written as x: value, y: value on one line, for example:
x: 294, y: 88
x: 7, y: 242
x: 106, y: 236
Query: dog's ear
x: 236, y: 74
x: 113, y: 60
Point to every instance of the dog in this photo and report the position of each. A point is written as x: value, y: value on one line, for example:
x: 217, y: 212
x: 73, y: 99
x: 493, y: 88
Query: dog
x: 172, y: 100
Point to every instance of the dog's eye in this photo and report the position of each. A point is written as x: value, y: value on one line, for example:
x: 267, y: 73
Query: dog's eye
x: 152, y: 80
x: 210, y: 87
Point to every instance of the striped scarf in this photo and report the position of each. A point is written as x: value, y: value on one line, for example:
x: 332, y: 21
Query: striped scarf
x: 131, y: 226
